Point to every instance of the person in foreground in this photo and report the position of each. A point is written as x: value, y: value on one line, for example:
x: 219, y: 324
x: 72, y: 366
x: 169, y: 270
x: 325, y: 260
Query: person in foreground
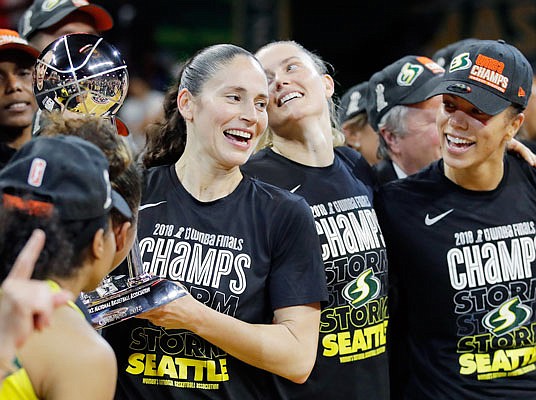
x: 460, y: 239
x: 60, y: 185
x: 247, y: 251
x: 25, y: 304
x: 306, y: 155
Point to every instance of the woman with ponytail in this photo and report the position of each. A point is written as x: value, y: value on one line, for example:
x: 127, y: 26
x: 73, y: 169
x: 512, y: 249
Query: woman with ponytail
x: 247, y: 252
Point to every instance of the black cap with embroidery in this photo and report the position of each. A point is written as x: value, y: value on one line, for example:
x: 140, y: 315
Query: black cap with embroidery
x: 490, y: 74
x: 65, y: 172
x: 45, y: 13
x: 408, y: 80
x: 353, y: 102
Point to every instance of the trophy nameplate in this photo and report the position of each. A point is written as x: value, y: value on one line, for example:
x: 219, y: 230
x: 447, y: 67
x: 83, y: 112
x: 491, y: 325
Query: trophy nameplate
x: 120, y: 297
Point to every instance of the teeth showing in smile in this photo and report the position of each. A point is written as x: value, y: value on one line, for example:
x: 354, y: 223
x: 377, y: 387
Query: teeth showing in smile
x: 239, y: 134
x: 16, y: 106
x: 290, y: 96
x: 457, y: 140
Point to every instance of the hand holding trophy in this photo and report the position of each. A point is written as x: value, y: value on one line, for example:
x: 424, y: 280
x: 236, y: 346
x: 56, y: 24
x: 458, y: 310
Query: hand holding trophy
x: 83, y: 74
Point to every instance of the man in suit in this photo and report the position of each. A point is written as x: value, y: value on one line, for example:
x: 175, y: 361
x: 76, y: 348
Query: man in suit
x: 403, y: 117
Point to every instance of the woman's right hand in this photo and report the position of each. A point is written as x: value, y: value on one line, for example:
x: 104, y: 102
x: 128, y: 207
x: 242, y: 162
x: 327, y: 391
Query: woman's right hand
x: 178, y: 314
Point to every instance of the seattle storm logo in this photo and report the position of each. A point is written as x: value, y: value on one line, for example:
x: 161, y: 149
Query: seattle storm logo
x: 364, y: 288
x: 507, y: 317
x: 461, y: 61
x: 409, y: 74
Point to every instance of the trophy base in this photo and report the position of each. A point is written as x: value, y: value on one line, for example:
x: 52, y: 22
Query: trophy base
x: 121, y: 297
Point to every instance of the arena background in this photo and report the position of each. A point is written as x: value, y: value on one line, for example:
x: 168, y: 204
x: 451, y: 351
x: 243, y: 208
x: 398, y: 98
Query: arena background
x: 356, y: 37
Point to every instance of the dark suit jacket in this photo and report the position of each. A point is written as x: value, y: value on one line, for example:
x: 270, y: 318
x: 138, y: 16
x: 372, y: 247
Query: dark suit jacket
x: 385, y: 172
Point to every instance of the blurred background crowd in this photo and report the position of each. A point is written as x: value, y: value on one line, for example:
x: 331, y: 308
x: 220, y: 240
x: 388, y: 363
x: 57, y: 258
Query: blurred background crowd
x: 356, y: 38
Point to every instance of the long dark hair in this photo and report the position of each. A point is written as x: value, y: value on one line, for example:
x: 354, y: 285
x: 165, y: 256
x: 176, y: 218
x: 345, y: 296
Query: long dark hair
x: 67, y: 243
x: 166, y: 139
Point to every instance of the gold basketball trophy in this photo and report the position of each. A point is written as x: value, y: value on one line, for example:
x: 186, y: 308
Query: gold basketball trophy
x: 83, y: 74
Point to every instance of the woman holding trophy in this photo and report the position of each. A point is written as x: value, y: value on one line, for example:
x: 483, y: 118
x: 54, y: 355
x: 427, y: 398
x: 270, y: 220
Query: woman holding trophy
x: 247, y: 252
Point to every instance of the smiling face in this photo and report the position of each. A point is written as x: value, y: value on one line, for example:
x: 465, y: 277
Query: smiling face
x: 297, y: 90
x: 17, y: 101
x: 227, y: 118
x: 471, y: 140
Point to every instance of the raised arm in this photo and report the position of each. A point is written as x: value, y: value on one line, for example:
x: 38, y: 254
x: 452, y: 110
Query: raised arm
x: 25, y: 305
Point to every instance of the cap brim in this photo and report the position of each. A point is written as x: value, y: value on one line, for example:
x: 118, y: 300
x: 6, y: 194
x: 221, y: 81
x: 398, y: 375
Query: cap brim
x: 103, y: 20
x: 119, y: 203
x: 422, y: 93
x: 34, y: 53
x: 487, y: 102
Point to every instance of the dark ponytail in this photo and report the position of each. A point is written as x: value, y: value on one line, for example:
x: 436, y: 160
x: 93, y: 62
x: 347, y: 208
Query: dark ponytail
x: 166, y: 139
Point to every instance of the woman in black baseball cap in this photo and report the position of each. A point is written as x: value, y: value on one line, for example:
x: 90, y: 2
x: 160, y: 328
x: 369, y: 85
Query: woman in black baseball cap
x: 485, y: 90
x: 61, y: 186
x: 460, y: 238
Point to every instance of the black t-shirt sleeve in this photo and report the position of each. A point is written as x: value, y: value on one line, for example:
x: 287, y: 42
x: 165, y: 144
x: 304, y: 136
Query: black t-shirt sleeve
x: 297, y: 275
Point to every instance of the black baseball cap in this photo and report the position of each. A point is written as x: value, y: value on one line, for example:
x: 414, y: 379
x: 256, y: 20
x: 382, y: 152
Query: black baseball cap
x: 443, y: 56
x: 490, y: 74
x: 353, y: 102
x: 45, y: 13
x: 408, y: 80
x: 67, y: 172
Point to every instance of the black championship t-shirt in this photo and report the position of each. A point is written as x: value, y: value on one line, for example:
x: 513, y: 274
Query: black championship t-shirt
x: 245, y: 255
x: 463, y: 268
x: 351, y: 360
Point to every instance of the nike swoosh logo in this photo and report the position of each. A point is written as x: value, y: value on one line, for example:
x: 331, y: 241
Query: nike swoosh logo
x: 430, y: 221
x: 151, y: 205
x: 294, y: 189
